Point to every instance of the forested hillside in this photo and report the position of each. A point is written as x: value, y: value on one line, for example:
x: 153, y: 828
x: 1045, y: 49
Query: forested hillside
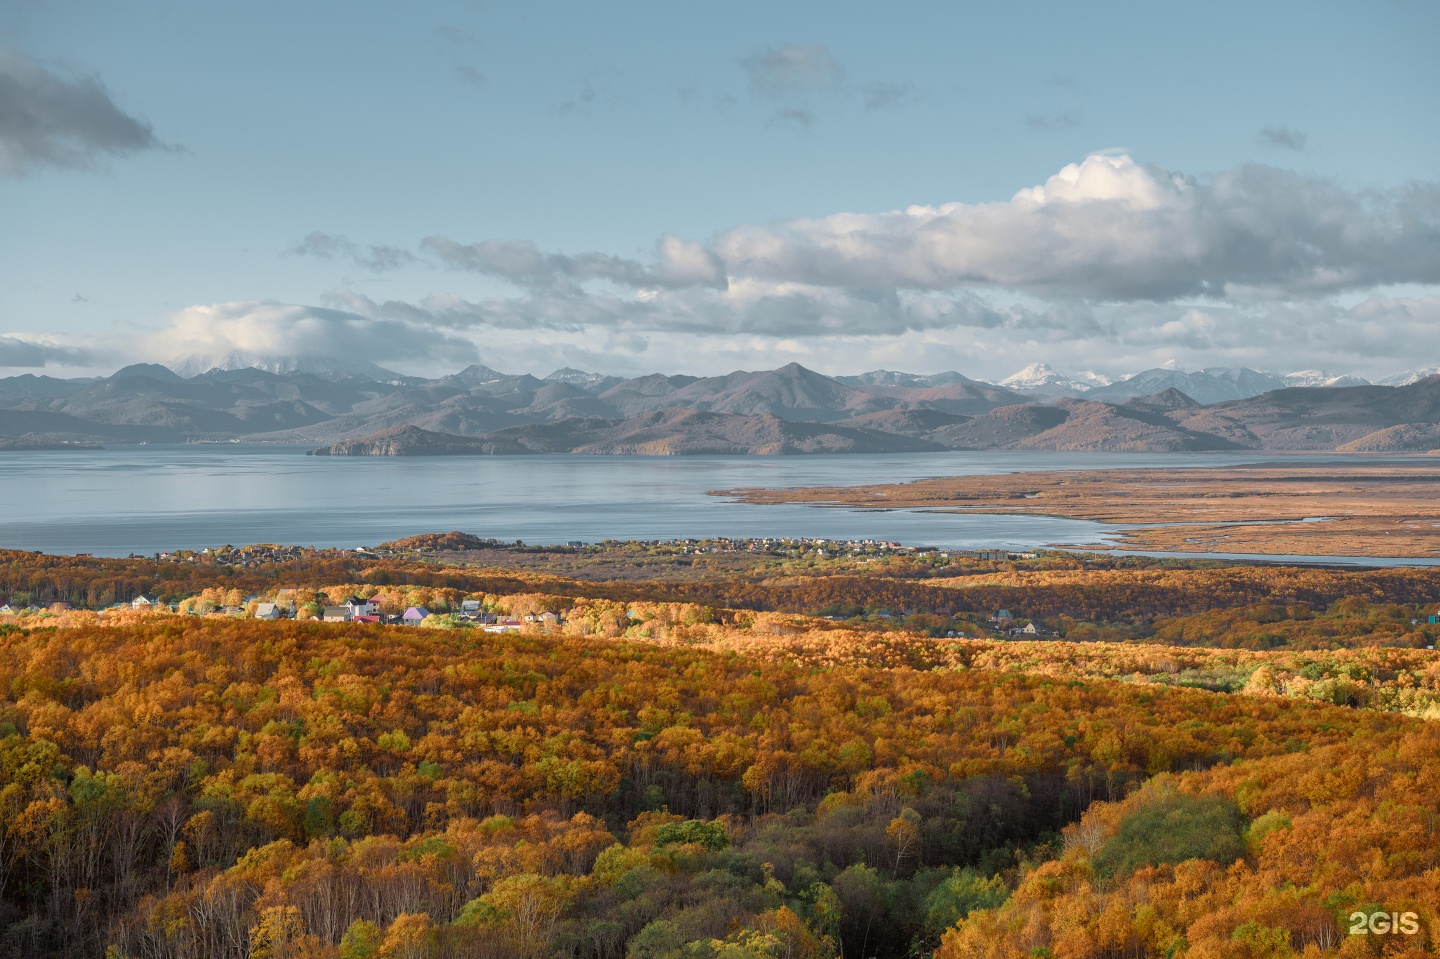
x: 1187, y: 761
x: 1327, y: 852
x: 186, y: 787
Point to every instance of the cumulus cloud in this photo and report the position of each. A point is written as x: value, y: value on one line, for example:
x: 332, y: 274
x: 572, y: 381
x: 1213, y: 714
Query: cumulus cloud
x: 1110, y: 228
x: 794, y: 70
x: 270, y: 329
x: 47, y: 119
x: 1106, y: 228
x: 1107, y: 263
x: 376, y: 258
x: 1282, y: 137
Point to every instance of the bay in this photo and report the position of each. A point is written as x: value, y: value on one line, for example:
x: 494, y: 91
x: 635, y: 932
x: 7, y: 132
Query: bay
x: 148, y: 499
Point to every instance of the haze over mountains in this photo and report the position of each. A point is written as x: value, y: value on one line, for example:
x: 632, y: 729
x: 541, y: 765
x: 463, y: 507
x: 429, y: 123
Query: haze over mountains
x: 356, y: 408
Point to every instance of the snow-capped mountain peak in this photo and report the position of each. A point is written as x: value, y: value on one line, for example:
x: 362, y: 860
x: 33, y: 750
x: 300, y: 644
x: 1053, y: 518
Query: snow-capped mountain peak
x: 593, y: 382
x: 1042, y: 376
x: 1409, y: 376
x: 194, y: 364
x: 1322, y: 378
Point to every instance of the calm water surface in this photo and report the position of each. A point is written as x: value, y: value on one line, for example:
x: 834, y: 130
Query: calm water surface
x: 150, y: 498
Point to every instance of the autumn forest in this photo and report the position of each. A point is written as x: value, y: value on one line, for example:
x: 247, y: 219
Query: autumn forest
x: 651, y: 751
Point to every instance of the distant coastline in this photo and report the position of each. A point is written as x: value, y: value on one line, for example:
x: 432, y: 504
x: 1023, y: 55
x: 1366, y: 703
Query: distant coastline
x: 33, y: 443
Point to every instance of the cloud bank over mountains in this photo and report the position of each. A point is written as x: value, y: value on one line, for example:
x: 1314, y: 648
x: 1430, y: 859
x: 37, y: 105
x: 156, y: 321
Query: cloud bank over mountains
x: 279, y: 329
x: 1108, y: 264
x: 1105, y: 229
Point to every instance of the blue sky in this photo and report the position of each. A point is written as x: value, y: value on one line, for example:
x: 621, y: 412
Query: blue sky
x: 284, y: 164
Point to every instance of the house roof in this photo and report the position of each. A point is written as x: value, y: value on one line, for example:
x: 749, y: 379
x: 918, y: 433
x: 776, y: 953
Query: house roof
x: 416, y: 612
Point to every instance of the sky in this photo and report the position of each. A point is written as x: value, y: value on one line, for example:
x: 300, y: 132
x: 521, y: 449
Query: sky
x: 703, y: 187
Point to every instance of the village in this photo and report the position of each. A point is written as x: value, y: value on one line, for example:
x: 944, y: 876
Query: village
x: 290, y: 604
x: 451, y: 609
x: 270, y: 554
x: 470, y: 613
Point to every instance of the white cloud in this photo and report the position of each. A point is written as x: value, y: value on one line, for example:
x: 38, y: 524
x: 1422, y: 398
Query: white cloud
x: 50, y: 120
x: 1107, y: 264
x: 1110, y: 228
x: 1106, y: 228
x: 269, y: 329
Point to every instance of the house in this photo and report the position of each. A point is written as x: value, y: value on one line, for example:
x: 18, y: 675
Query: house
x: 549, y: 618
x: 360, y: 607
x: 505, y: 626
x: 414, y: 615
x: 336, y: 614
x: 470, y: 608
x: 267, y: 611
x: 1003, y: 616
x: 142, y: 601
x: 7, y: 610
x: 1029, y: 630
x: 372, y: 618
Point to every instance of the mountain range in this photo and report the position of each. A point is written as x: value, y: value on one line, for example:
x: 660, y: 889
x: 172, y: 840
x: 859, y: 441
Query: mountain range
x: 354, y: 410
x: 1214, y: 385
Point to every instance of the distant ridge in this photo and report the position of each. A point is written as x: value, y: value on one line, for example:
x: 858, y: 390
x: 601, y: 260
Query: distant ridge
x: 675, y: 432
x: 791, y: 409
x: 194, y: 364
x: 1214, y: 385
